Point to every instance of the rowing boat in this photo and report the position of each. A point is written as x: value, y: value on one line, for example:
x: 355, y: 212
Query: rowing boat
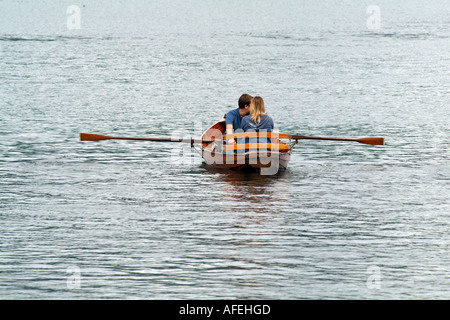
x: 248, y: 154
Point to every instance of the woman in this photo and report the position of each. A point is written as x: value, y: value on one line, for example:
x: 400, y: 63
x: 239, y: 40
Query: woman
x: 257, y: 120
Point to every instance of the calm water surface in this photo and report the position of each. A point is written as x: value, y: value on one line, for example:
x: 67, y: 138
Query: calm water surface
x: 128, y: 220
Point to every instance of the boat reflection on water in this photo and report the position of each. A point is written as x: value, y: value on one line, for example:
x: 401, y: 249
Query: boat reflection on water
x: 252, y: 193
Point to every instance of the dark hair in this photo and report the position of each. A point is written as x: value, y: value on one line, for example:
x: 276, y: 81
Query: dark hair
x: 244, y: 100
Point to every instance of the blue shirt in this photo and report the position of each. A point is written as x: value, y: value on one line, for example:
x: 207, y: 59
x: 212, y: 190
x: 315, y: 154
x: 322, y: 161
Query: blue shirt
x: 234, y: 118
x: 265, y: 124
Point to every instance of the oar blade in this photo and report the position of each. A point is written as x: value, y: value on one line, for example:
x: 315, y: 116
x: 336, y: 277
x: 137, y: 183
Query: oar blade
x: 92, y: 137
x: 372, y: 140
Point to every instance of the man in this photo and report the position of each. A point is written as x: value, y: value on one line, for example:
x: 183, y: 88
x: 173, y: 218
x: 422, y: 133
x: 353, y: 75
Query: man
x: 234, y: 117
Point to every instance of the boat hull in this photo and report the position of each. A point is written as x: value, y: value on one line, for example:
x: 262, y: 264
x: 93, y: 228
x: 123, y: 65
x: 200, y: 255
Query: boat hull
x: 266, y: 161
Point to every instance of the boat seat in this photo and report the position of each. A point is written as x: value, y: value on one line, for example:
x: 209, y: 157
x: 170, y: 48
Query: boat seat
x: 257, y: 146
x: 242, y: 135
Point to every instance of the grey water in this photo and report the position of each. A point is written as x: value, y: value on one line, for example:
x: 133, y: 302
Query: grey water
x: 148, y: 220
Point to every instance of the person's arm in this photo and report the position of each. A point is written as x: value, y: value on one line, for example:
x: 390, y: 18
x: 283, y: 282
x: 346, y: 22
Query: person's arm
x: 230, y: 131
x: 229, y: 126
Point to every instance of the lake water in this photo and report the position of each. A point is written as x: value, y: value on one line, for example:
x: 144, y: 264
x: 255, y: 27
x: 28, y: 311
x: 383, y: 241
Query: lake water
x: 148, y: 220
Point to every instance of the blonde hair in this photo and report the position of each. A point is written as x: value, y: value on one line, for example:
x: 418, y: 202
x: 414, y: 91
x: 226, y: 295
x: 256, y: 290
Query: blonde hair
x: 257, y: 109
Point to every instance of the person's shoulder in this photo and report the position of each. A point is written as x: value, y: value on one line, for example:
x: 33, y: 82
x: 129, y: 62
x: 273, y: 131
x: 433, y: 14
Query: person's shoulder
x: 231, y: 115
x: 233, y: 112
x: 268, y: 121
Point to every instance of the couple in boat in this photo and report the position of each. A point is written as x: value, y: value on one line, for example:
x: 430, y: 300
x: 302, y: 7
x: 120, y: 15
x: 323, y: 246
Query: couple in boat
x: 250, y: 116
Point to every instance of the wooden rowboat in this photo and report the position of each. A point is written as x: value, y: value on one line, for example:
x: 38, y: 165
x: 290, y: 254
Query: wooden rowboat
x: 248, y: 154
x: 263, y: 151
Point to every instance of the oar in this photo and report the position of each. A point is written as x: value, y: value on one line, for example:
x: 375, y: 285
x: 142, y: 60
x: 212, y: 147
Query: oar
x: 368, y: 140
x: 97, y: 137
